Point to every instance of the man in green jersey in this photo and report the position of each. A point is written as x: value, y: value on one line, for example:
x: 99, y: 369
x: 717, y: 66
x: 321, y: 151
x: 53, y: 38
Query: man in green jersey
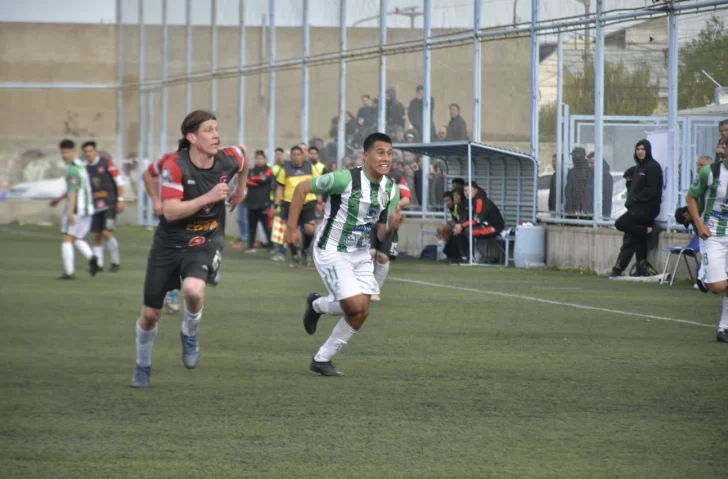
x: 711, y: 184
x: 76, y: 222
x: 359, y: 200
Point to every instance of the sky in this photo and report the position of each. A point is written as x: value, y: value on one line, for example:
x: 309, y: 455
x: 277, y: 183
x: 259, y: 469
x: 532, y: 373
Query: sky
x: 446, y: 13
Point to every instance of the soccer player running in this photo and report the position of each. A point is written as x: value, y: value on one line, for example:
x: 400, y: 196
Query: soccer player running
x: 108, y: 196
x: 153, y: 187
x: 76, y: 221
x: 711, y: 184
x: 359, y: 200
x: 385, y: 250
x: 190, y: 236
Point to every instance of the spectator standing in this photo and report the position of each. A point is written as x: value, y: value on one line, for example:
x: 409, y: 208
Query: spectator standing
x: 552, y: 186
x: 395, y: 111
x: 576, y: 183
x: 442, y: 133
x: 457, y: 129
x: 607, y: 188
x: 722, y: 148
x: 415, y: 110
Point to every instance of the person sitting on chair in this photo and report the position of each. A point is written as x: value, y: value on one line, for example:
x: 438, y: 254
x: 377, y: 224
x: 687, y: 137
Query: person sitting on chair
x: 487, y: 221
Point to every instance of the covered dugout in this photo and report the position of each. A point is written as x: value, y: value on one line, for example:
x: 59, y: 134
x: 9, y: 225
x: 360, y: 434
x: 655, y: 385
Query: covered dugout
x: 509, y: 178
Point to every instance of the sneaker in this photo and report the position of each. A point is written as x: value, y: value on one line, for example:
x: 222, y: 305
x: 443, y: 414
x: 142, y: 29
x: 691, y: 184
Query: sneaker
x: 67, y: 276
x: 701, y: 285
x: 190, y: 351
x: 375, y: 297
x: 310, y: 316
x: 616, y: 273
x: 278, y: 257
x: 141, y: 377
x: 295, y: 262
x: 721, y: 335
x: 114, y: 268
x: 170, y: 302
x: 93, y: 266
x: 251, y: 250
x: 324, y: 369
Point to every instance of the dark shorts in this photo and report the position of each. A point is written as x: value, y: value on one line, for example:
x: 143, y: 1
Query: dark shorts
x: 388, y: 246
x: 307, y: 216
x: 168, y: 267
x: 104, y: 220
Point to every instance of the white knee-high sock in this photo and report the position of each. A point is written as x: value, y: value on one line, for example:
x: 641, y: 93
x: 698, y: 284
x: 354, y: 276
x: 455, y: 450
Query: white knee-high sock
x: 380, y: 272
x: 328, y: 305
x: 68, y: 258
x: 191, y: 322
x: 144, y: 344
x: 340, y: 336
x: 84, y: 248
x: 113, y: 246
x: 724, y: 314
x: 99, y: 253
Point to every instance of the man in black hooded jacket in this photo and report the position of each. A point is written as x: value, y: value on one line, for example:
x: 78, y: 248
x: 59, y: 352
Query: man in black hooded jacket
x: 643, y: 205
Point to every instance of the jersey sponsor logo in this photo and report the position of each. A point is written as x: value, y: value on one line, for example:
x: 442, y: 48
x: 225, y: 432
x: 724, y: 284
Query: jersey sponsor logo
x: 196, y: 241
x: 363, y: 228
x: 205, y: 225
x: 325, y: 182
x: 101, y: 194
x: 190, y: 182
x: 224, y: 179
x: 101, y: 170
x: 385, y: 198
x: 350, y: 241
x: 166, y: 175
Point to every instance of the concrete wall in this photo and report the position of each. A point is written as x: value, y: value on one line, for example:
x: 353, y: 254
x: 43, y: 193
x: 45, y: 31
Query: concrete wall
x: 87, y: 53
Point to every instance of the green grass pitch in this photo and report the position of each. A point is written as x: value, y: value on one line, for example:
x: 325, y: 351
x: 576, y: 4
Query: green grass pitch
x: 460, y: 382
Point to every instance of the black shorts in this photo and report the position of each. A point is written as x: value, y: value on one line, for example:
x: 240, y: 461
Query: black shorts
x: 307, y: 216
x: 168, y: 267
x: 104, y: 220
x: 388, y: 246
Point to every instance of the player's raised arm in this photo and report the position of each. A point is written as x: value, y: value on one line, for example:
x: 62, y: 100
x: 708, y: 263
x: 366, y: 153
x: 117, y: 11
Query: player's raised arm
x: 174, y: 207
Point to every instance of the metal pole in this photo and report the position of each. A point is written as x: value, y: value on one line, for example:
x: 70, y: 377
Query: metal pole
x: 559, y: 119
x: 305, y: 75
x: 534, y: 80
x: 564, y: 160
x: 241, y: 79
x: 477, y: 60
x: 213, y: 55
x: 119, y: 91
x: 598, y: 113
x: 141, y: 116
x: 149, y: 221
x: 382, y: 104
x: 470, y: 203
x: 341, y: 134
x: 188, y: 56
x: 271, y: 79
x: 672, y: 79
x: 426, y: 106
x: 163, y: 99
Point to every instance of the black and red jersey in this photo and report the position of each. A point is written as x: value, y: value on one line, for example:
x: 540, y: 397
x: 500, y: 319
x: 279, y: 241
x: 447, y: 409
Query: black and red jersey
x: 260, y: 183
x: 105, y: 178
x: 182, y: 180
x: 398, y: 179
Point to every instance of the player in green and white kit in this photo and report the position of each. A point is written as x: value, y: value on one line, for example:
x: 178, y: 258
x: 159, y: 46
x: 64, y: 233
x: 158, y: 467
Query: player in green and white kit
x: 359, y: 200
x: 712, y: 185
x: 76, y: 222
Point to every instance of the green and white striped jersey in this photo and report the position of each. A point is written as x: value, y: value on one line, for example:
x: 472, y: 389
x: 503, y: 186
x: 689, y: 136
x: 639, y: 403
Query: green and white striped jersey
x: 715, y: 192
x: 354, y: 207
x: 77, y: 180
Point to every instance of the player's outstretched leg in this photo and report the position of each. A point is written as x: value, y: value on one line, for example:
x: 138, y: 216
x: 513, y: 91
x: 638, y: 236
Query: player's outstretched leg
x: 69, y: 257
x: 194, y: 294
x: 316, y: 305
x: 113, y: 245
x: 356, y: 310
x: 381, y: 270
x: 146, y: 332
x: 98, y: 250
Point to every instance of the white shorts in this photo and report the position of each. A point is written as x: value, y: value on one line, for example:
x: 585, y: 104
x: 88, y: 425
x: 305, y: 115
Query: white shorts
x: 714, y: 259
x: 346, y: 274
x: 79, y: 229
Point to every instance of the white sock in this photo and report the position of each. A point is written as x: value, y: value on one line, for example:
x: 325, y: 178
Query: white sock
x: 328, y: 305
x: 113, y: 246
x: 191, y: 322
x: 145, y: 343
x: 724, y: 314
x: 68, y: 257
x: 340, y: 336
x: 84, y: 248
x: 99, y: 253
x: 380, y: 272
